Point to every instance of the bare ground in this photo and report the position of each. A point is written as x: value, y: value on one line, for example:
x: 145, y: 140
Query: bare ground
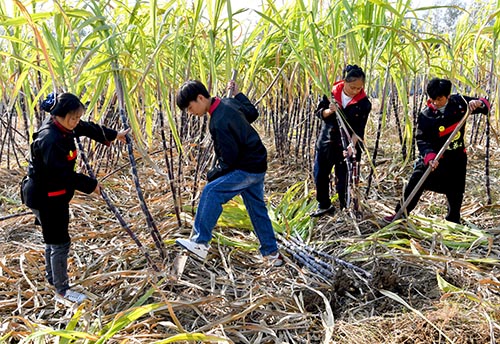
x: 235, y: 296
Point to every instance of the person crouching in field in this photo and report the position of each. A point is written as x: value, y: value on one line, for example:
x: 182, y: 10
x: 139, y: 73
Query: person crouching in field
x: 239, y: 168
x: 52, y: 180
x: 435, y: 124
x: 351, y: 100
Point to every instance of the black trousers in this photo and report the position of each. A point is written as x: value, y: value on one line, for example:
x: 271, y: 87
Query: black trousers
x: 447, y: 179
x: 54, y: 218
x: 322, y: 172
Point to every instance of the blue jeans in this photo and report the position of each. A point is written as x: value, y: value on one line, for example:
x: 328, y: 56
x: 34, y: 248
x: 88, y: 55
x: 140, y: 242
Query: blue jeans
x: 219, y: 191
x: 56, y: 266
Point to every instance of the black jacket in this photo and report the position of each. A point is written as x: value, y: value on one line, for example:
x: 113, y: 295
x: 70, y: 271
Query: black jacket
x: 434, y: 127
x: 236, y: 143
x: 433, y: 130
x: 53, y: 159
x: 356, y: 112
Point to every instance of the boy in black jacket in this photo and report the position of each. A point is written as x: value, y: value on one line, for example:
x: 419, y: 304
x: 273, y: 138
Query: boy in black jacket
x: 239, y: 169
x: 435, y: 124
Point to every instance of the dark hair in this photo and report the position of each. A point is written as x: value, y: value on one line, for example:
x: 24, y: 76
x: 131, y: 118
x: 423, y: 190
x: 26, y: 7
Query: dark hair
x: 189, y: 91
x: 438, y: 87
x: 353, y: 72
x: 62, y: 104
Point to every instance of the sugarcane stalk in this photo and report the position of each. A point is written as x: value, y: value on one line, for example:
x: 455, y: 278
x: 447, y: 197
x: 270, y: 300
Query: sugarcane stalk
x: 24, y: 213
x: 309, y: 263
x: 4, y: 140
x: 379, y: 131
x: 487, y: 161
x: 168, y: 164
x: 488, y: 128
x: 155, y: 233
x: 429, y: 168
x: 201, y: 155
x: 309, y: 255
x: 333, y: 258
x: 346, y: 141
x: 301, y: 260
x: 394, y: 103
x: 306, y: 254
x: 115, y: 211
x: 10, y: 131
x: 352, y: 203
x: 306, y: 139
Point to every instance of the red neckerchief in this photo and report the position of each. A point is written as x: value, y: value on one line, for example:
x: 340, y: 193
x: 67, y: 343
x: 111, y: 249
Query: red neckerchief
x: 71, y: 155
x: 60, y: 126
x: 214, y: 105
x: 446, y: 130
x: 337, y: 90
x: 431, y: 106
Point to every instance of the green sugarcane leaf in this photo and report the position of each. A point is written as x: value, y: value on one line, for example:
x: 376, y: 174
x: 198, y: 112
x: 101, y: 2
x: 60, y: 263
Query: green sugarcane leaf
x: 124, y: 319
x: 445, y: 286
x: 192, y: 337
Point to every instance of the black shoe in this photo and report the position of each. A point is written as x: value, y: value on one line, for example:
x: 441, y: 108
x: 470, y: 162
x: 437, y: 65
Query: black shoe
x: 322, y: 211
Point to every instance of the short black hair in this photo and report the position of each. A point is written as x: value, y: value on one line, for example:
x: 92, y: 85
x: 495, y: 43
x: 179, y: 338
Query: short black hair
x: 438, y: 87
x: 62, y: 104
x: 353, y: 72
x: 189, y: 91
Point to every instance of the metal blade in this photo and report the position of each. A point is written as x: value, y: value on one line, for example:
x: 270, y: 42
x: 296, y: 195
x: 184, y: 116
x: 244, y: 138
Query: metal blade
x: 178, y: 265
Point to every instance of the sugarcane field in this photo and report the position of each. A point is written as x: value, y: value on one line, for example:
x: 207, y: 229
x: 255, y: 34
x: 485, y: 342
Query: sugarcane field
x: 136, y: 138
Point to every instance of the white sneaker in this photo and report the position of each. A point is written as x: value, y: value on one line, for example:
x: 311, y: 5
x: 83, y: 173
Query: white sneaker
x: 73, y: 296
x: 274, y: 259
x: 201, y: 250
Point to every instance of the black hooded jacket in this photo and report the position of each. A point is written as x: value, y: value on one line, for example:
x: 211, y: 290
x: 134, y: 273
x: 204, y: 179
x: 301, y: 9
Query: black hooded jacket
x: 434, y: 127
x: 329, y: 142
x: 236, y: 143
x: 433, y: 130
x: 53, y: 159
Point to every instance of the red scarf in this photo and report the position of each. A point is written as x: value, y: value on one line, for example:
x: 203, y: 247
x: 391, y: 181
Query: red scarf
x: 337, y: 90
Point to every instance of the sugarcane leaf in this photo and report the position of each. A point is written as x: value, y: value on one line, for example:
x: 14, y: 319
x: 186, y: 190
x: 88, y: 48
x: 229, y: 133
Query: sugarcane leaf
x: 193, y: 337
x: 446, y: 286
x: 123, y: 319
x: 397, y: 298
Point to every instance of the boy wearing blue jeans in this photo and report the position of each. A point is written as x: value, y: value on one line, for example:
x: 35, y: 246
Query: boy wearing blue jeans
x: 239, y: 168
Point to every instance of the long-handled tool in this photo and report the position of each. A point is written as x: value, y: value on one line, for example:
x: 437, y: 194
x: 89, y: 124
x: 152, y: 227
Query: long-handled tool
x: 352, y: 202
x: 233, y: 77
x: 429, y: 168
x: 178, y: 265
x: 352, y: 164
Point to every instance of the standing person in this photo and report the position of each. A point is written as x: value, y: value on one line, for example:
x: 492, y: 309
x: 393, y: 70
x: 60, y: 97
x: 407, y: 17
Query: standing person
x: 53, y: 180
x: 350, y: 98
x: 239, y: 169
x: 435, y: 124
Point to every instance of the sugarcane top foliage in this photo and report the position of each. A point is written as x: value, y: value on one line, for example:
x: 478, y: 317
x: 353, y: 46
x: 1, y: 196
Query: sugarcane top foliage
x: 154, y: 47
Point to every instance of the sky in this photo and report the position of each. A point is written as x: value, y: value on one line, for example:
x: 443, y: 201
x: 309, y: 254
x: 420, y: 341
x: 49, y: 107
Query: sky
x: 257, y: 4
